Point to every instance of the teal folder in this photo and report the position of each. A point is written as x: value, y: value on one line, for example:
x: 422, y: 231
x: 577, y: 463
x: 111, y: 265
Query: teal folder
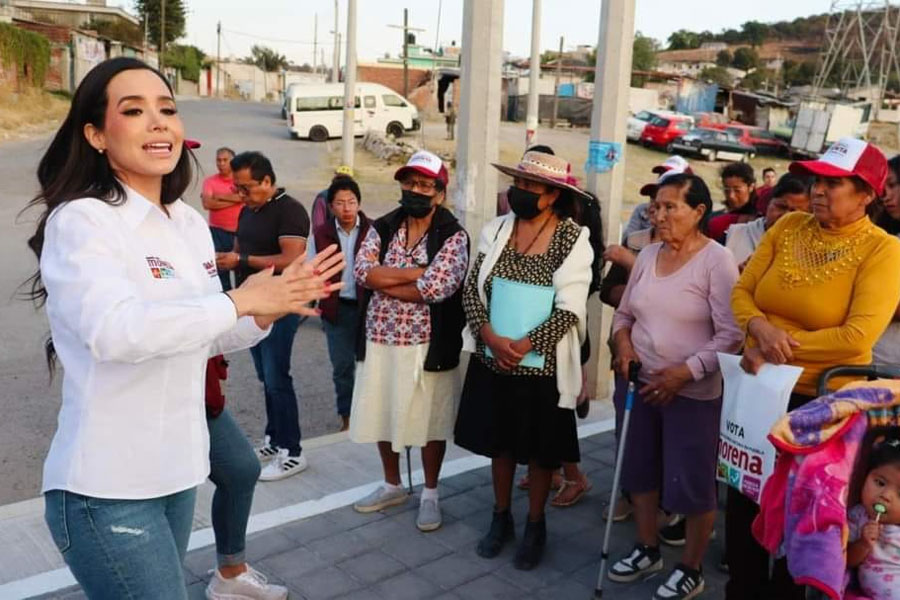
x: 516, y: 309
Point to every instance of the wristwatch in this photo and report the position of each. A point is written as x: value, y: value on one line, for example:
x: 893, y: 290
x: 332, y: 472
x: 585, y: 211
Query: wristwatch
x: 244, y: 261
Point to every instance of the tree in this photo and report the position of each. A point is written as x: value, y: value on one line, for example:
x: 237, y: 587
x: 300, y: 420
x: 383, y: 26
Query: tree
x: 267, y: 59
x: 755, y: 32
x: 794, y: 73
x: 683, y: 40
x: 745, y: 58
x: 120, y: 31
x: 717, y: 75
x: 724, y: 58
x: 187, y: 59
x: 760, y: 78
x: 643, y: 56
x: 150, y: 12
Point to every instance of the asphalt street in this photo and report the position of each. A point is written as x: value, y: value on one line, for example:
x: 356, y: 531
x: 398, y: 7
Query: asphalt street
x: 29, y: 400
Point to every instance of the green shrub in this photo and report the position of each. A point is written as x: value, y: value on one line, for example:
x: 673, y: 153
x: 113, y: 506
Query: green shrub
x: 25, y: 51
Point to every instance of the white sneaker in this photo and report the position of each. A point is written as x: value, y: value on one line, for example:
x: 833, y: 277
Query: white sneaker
x: 249, y: 585
x: 283, y: 466
x: 267, y: 451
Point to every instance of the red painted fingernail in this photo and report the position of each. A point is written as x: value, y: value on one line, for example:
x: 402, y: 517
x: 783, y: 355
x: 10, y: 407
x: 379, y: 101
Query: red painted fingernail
x: 317, y: 272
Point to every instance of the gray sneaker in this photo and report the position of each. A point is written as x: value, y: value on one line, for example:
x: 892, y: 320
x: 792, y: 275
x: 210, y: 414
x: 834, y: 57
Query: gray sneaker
x: 250, y: 585
x: 429, y: 517
x: 380, y: 499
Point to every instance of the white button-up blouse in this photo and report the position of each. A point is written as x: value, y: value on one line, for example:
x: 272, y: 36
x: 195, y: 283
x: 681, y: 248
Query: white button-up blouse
x: 135, y: 309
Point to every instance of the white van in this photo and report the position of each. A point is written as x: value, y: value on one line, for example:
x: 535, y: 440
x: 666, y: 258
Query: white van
x: 317, y: 111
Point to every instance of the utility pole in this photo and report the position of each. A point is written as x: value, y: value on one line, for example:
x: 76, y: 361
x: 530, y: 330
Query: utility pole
x: 556, y: 85
x: 406, y: 29
x: 336, y: 54
x: 612, y: 78
x: 534, y: 75
x: 350, y: 88
x: 218, y: 57
x: 475, y: 191
x: 405, y: 53
x: 162, y: 36
x: 316, y: 44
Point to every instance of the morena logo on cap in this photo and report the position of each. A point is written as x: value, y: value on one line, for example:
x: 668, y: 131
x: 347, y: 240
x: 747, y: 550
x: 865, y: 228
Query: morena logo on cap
x: 425, y: 160
x: 845, y: 153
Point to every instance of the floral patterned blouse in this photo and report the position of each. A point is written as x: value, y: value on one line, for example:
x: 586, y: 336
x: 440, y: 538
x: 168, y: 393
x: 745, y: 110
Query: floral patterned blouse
x: 396, y: 322
x: 536, y: 269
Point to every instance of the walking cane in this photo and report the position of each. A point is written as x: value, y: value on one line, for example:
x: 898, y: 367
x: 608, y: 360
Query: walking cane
x: 409, y: 469
x: 633, y: 368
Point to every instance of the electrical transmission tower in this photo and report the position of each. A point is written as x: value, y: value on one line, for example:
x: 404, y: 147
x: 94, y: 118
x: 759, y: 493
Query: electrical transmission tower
x: 861, y: 48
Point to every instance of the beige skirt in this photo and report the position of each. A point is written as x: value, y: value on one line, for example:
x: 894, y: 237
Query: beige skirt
x: 395, y: 400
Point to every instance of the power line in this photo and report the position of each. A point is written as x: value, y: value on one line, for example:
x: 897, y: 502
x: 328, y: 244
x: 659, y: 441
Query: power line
x: 277, y: 40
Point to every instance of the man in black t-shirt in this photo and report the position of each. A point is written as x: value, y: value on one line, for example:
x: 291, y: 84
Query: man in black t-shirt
x: 272, y: 230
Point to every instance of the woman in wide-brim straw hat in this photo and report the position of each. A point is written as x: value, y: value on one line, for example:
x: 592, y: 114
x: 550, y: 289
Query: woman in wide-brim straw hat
x: 511, y: 412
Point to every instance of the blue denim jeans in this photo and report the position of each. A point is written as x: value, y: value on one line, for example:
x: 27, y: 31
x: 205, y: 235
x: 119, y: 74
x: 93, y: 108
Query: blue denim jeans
x: 341, y: 338
x: 223, y: 241
x: 234, y: 470
x: 123, y: 548
x: 272, y: 359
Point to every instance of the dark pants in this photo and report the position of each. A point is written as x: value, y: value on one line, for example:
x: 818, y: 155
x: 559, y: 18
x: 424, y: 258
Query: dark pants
x: 748, y: 562
x: 234, y: 470
x: 341, y: 337
x: 223, y: 241
x: 272, y: 359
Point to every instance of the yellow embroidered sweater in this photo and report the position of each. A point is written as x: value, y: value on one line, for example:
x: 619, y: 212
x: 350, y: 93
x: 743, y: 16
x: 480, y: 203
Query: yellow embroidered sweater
x: 834, y: 291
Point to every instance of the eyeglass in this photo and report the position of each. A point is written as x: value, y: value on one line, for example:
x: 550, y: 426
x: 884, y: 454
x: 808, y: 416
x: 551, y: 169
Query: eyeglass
x: 425, y: 185
x: 244, y: 190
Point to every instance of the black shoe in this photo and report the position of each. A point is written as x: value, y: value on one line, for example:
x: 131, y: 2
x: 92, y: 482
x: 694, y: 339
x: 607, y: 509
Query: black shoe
x: 502, y: 530
x: 532, y: 547
x: 674, y: 534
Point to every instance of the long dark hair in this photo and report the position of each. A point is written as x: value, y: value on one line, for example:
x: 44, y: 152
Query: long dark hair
x: 880, y: 446
x: 71, y: 168
x: 881, y: 216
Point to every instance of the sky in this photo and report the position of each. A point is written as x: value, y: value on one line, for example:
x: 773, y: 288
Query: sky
x: 288, y: 25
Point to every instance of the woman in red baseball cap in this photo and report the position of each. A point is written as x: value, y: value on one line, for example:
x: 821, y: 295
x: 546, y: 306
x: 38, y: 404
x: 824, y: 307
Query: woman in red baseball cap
x: 818, y: 292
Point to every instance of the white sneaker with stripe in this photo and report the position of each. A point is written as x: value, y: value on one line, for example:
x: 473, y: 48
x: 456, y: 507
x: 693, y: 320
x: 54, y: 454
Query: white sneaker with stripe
x: 683, y: 584
x: 283, y: 466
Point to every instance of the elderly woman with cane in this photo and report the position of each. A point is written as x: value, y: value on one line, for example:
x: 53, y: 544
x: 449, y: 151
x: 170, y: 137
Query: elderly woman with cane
x: 675, y: 315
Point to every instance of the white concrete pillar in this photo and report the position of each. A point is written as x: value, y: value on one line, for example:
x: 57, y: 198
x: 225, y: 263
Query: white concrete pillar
x: 347, y: 146
x: 612, y: 77
x: 534, y: 74
x: 475, y: 191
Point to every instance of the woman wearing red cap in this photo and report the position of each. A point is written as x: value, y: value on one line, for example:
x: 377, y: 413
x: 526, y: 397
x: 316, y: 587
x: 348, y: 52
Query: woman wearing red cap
x: 412, y: 264
x: 818, y: 292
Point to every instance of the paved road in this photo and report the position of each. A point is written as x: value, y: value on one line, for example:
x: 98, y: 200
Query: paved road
x: 29, y: 400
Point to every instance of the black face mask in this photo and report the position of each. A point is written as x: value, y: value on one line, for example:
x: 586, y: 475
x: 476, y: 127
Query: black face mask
x: 523, y: 203
x: 416, y: 205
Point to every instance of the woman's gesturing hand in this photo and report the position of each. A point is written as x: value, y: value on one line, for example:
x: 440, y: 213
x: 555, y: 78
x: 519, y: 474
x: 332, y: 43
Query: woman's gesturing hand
x: 776, y: 345
x: 303, y: 281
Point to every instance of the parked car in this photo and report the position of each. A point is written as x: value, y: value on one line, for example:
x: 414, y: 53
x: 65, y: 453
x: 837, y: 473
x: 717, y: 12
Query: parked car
x: 663, y: 129
x: 637, y: 122
x: 764, y: 141
x: 712, y: 144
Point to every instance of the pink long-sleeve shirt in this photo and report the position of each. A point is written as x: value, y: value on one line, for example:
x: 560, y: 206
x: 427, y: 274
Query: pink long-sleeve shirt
x: 684, y: 317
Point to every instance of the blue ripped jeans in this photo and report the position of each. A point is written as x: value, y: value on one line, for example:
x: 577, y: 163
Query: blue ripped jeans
x: 123, y: 548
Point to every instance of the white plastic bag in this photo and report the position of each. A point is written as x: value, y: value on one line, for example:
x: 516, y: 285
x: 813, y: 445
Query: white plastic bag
x: 750, y: 407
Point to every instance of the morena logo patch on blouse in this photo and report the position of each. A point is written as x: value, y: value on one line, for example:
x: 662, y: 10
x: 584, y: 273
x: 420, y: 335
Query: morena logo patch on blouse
x: 210, y: 266
x: 159, y: 268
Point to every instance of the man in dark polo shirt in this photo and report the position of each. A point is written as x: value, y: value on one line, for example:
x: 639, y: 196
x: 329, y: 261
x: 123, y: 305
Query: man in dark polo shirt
x: 272, y: 230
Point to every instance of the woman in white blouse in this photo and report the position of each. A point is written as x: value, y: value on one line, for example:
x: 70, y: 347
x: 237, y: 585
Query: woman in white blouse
x: 135, y: 306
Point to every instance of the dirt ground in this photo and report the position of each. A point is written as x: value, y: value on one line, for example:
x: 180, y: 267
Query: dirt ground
x: 376, y: 176
x: 29, y: 113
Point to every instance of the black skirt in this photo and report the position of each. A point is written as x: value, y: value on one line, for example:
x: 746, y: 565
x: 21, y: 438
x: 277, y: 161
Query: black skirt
x: 517, y: 416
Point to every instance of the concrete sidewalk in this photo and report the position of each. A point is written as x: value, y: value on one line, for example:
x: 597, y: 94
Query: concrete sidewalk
x: 339, y: 553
